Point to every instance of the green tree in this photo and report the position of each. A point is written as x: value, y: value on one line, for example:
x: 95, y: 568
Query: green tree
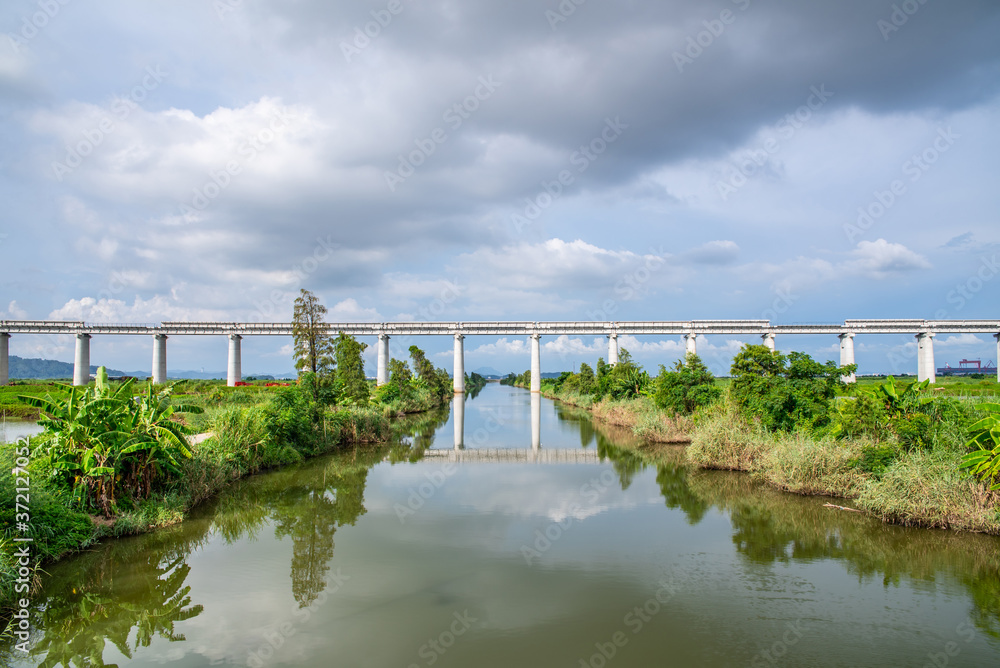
x: 313, y: 346
x: 688, y: 387
x: 785, y: 392
x: 399, y: 373
x: 351, y: 369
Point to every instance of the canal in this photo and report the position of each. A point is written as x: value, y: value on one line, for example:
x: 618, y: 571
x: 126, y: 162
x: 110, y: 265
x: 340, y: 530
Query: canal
x: 539, y: 542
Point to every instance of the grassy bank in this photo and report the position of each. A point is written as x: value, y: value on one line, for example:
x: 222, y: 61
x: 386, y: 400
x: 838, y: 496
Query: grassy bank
x: 897, y: 459
x: 253, y: 429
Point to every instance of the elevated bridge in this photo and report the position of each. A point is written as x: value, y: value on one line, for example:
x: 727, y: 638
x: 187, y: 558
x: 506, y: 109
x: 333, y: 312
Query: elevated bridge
x: 924, y: 330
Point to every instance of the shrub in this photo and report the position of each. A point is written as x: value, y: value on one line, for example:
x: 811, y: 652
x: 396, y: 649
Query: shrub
x: 688, y: 387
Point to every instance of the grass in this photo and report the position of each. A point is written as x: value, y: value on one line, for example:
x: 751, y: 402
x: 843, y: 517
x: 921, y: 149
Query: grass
x: 245, y: 440
x: 923, y: 487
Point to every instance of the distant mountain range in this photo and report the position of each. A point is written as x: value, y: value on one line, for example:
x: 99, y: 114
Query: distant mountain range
x: 28, y: 368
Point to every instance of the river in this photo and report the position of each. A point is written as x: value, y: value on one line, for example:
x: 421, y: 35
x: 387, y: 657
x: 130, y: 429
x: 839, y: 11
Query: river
x: 539, y: 542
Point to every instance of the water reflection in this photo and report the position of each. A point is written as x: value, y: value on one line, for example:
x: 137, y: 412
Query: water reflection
x: 130, y: 585
x: 458, y: 413
x: 413, y: 570
x: 536, y: 420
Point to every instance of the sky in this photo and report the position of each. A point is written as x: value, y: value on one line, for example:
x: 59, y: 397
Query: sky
x: 801, y: 162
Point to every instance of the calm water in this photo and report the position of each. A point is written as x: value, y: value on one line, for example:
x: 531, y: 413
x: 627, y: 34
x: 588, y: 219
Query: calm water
x: 11, y: 431
x: 569, y: 554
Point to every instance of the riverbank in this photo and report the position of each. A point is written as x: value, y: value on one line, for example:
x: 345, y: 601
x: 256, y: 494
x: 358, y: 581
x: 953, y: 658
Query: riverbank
x: 921, y: 487
x: 252, y: 431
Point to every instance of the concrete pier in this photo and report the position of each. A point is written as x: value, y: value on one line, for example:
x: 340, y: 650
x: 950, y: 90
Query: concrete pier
x: 692, y: 343
x: 995, y: 336
x: 458, y: 411
x: 768, y: 340
x: 536, y: 367
x: 159, y: 358
x: 235, y: 374
x: 382, y: 374
x: 925, y: 357
x: 536, y: 421
x: 847, y: 354
x: 4, y: 358
x: 459, y: 383
x: 612, y: 349
x: 81, y: 365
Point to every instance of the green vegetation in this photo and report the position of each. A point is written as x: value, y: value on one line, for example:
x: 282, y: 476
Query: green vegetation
x: 117, y: 460
x: 108, y: 448
x: 900, y: 450
x: 985, y: 460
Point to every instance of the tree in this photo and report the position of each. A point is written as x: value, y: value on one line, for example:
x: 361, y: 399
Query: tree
x: 785, y: 392
x: 351, y: 369
x: 688, y: 387
x: 313, y: 346
x: 399, y: 373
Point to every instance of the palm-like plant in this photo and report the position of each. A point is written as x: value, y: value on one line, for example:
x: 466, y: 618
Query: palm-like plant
x: 985, y: 460
x: 104, y: 444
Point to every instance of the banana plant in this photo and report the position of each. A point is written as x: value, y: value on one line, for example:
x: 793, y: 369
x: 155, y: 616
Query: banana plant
x: 984, y: 461
x: 104, y: 443
x: 903, y: 400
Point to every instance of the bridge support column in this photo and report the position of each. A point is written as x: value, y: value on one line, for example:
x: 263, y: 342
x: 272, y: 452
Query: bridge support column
x: 692, y: 343
x: 925, y: 357
x: 768, y: 340
x: 159, y: 359
x: 458, y: 410
x: 459, y: 381
x: 613, y: 348
x: 81, y: 365
x: 4, y: 358
x: 536, y: 421
x: 536, y: 367
x: 847, y: 354
x: 382, y: 374
x: 235, y: 374
x: 995, y: 336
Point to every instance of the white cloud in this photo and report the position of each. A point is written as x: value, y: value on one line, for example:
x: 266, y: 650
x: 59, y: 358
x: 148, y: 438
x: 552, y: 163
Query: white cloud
x: 879, y: 259
x: 13, y: 312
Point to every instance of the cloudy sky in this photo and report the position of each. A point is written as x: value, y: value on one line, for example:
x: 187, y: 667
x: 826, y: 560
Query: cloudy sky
x: 516, y: 160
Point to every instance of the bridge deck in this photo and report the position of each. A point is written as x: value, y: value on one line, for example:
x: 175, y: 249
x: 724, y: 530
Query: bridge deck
x: 522, y: 328
x: 540, y: 456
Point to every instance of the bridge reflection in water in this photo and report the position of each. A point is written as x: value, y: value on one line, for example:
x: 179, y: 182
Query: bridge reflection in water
x: 458, y: 413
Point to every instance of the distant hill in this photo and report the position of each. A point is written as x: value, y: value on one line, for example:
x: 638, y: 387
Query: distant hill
x: 33, y: 367
x: 489, y: 372
x: 28, y: 368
